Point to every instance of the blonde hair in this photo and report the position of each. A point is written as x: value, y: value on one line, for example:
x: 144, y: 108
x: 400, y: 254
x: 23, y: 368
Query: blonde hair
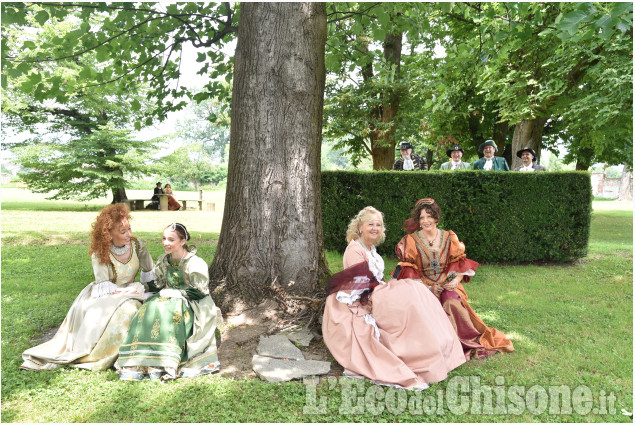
x: 364, y: 216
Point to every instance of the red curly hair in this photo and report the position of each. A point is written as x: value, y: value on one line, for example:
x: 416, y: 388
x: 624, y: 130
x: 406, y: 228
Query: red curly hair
x: 100, y: 238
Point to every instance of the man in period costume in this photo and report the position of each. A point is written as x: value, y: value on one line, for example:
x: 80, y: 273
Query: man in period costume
x: 455, y: 153
x: 154, y: 205
x: 490, y: 162
x: 409, y: 160
x: 528, y: 156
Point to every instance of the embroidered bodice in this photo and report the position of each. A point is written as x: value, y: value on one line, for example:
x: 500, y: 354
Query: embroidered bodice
x: 125, y: 272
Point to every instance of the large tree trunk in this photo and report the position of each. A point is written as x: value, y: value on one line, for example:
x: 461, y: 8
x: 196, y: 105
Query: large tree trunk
x: 527, y: 134
x: 272, y: 223
x: 626, y: 186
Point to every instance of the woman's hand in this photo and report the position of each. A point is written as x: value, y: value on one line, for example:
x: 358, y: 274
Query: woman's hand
x: 436, y: 289
x: 134, y: 289
x: 173, y: 293
x: 451, y: 285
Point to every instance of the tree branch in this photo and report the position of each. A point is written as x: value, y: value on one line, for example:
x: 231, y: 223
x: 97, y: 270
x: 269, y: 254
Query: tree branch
x: 351, y: 14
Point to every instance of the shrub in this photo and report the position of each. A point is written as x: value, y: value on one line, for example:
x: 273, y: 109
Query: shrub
x: 506, y: 217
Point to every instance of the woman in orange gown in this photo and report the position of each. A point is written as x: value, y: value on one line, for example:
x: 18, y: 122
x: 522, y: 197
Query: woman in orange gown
x: 173, y: 204
x: 437, y: 258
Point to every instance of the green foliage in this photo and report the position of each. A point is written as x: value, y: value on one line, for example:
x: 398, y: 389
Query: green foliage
x: 78, y: 146
x: 83, y: 168
x: 368, y: 81
x: 501, y: 217
x: 208, y: 126
x: 120, y: 45
x: 471, y: 71
x: 568, y: 62
x: 191, y: 163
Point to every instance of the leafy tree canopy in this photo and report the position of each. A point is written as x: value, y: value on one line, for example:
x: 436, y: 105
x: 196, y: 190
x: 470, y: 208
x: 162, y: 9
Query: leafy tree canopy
x: 502, y: 63
x: 120, y: 45
x: 84, y: 168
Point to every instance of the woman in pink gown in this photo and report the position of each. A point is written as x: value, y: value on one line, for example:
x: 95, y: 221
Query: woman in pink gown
x: 393, y: 333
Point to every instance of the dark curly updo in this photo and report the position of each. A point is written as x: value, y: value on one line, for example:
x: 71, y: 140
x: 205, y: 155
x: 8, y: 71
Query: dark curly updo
x: 431, y: 207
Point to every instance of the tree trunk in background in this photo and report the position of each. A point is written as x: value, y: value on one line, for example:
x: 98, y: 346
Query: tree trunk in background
x: 118, y: 195
x: 626, y: 185
x: 584, y: 156
x: 382, y: 142
x: 500, y: 137
x: 272, y: 222
x: 527, y: 133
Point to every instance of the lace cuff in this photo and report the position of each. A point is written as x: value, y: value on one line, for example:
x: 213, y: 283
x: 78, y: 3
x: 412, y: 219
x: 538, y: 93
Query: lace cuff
x: 147, y: 276
x: 103, y: 288
x: 349, y: 299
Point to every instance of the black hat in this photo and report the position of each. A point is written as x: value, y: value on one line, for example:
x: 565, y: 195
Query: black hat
x: 488, y: 143
x: 405, y: 145
x: 527, y: 149
x: 454, y: 148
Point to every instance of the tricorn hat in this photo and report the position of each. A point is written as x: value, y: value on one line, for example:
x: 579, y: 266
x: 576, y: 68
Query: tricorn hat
x: 405, y: 145
x: 488, y: 143
x: 454, y: 148
x: 519, y: 154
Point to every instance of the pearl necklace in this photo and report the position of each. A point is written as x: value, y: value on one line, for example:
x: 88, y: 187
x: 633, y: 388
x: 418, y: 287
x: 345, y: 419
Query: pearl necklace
x: 119, y: 250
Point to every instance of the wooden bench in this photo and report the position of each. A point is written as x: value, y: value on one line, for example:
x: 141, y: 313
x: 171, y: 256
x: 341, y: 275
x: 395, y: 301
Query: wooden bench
x: 184, y: 202
x: 137, y: 204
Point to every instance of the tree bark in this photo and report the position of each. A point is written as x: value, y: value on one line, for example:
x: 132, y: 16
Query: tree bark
x: 500, y: 137
x: 119, y: 195
x: 626, y: 186
x: 272, y: 224
x: 527, y: 133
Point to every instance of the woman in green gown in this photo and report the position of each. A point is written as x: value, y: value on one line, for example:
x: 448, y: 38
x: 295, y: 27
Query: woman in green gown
x: 172, y: 334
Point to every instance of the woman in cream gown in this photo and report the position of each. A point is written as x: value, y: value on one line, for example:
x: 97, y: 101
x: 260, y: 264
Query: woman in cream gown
x: 98, y: 319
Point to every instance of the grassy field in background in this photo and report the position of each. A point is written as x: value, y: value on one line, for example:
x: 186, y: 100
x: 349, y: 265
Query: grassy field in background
x: 571, y: 324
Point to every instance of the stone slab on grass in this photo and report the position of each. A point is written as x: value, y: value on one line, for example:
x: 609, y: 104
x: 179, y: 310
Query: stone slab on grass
x: 302, y: 337
x: 279, y: 347
x: 278, y: 370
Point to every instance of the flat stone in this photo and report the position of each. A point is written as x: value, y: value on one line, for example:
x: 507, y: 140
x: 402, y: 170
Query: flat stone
x: 243, y: 334
x: 279, y: 347
x: 301, y: 336
x: 277, y: 370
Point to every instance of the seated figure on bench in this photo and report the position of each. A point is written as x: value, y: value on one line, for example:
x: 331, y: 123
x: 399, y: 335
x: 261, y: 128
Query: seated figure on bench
x: 173, y: 204
x: 154, y: 205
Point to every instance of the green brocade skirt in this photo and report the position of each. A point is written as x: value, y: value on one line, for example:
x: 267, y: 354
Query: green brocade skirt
x: 157, y: 334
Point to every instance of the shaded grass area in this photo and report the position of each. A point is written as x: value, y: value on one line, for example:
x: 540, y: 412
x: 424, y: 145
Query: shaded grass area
x: 571, y: 325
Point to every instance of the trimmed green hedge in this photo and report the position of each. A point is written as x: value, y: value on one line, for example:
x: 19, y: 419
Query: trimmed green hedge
x: 502, y: 217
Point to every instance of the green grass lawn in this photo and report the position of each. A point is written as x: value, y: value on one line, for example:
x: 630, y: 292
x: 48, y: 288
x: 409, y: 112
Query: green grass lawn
x: 571, y: 324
